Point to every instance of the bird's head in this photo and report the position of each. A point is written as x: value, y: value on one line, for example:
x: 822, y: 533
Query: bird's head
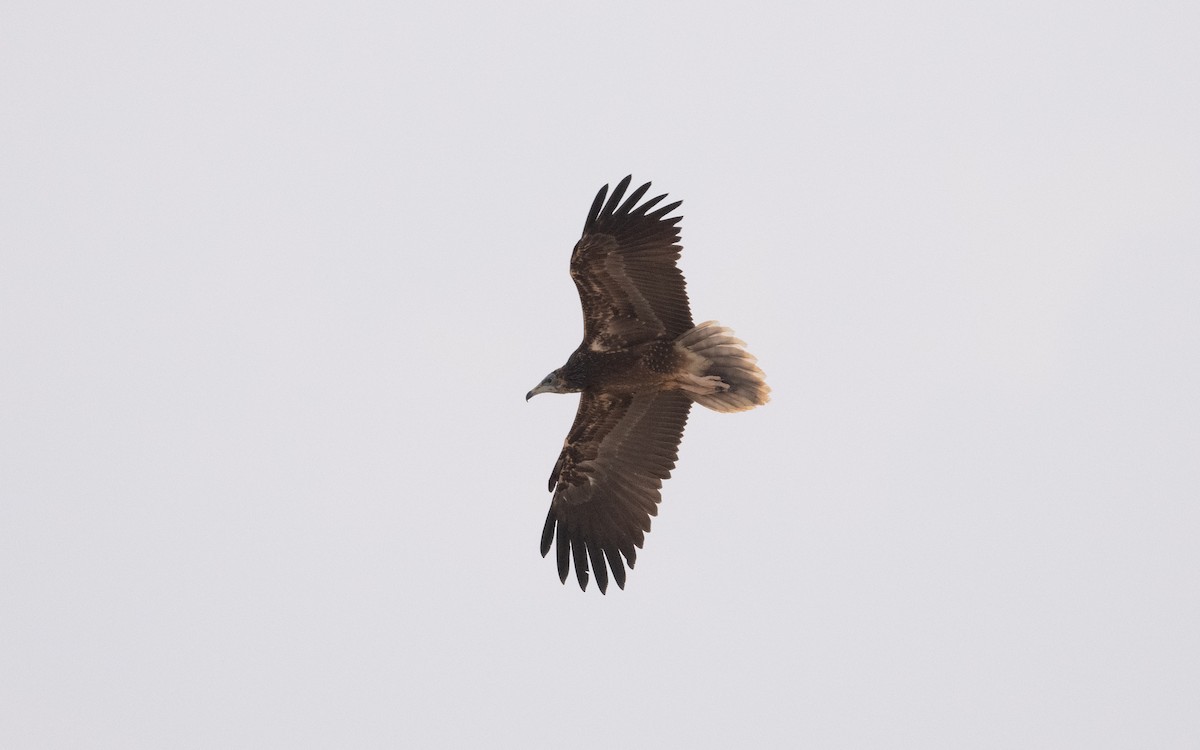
x: 552, y: 383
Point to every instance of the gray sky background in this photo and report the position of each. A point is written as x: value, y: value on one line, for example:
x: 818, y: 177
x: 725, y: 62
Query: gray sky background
x: 275, y: 278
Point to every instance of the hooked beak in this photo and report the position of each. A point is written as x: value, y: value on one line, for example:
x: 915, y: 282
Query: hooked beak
x: 541, y: 388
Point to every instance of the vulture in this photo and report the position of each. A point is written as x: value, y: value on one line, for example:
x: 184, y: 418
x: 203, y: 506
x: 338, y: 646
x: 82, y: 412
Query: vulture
x: 641, y: 365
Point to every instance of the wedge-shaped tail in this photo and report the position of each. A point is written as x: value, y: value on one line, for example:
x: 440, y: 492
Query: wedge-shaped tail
x: 723, y: 375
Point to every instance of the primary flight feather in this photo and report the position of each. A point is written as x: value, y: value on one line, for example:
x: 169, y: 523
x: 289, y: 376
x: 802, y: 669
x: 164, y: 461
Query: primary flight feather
x: 640, y: 366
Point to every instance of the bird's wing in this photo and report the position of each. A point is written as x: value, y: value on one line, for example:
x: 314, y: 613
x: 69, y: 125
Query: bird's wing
x: 607, y: 479
x: 624, y: 267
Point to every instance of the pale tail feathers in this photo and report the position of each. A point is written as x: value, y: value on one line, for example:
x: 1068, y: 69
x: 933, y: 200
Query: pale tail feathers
x: 723, y: 375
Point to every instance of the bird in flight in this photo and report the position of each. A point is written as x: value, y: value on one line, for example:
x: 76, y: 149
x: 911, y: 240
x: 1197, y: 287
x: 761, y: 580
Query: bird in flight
x: 641, y: 365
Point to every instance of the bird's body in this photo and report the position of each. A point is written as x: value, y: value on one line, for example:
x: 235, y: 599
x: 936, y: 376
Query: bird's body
x: 640, y: 366
x: 634, y: 368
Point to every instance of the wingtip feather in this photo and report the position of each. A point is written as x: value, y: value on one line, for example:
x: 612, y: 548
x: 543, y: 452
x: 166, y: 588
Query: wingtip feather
x: 632, y: 200
x: 548, y: 533
x: 599, y: 569
x: 614, y: 199
x: 658, y: 214
x: 594, y: 211
x: 581, y: 565
x: 563, y: 553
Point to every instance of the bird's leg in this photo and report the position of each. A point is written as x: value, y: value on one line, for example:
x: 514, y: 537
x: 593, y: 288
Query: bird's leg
x: 702, y: 385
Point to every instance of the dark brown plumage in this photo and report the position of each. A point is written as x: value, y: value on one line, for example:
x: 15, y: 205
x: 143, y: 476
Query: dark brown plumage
x: 640, y: 366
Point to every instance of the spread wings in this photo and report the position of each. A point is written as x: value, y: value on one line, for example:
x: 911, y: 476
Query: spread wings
x: 607, y: 479
x: 624, y: 267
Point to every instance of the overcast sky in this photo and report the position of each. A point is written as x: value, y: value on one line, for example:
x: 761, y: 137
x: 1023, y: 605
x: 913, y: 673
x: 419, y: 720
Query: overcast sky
x: 275, y: 278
